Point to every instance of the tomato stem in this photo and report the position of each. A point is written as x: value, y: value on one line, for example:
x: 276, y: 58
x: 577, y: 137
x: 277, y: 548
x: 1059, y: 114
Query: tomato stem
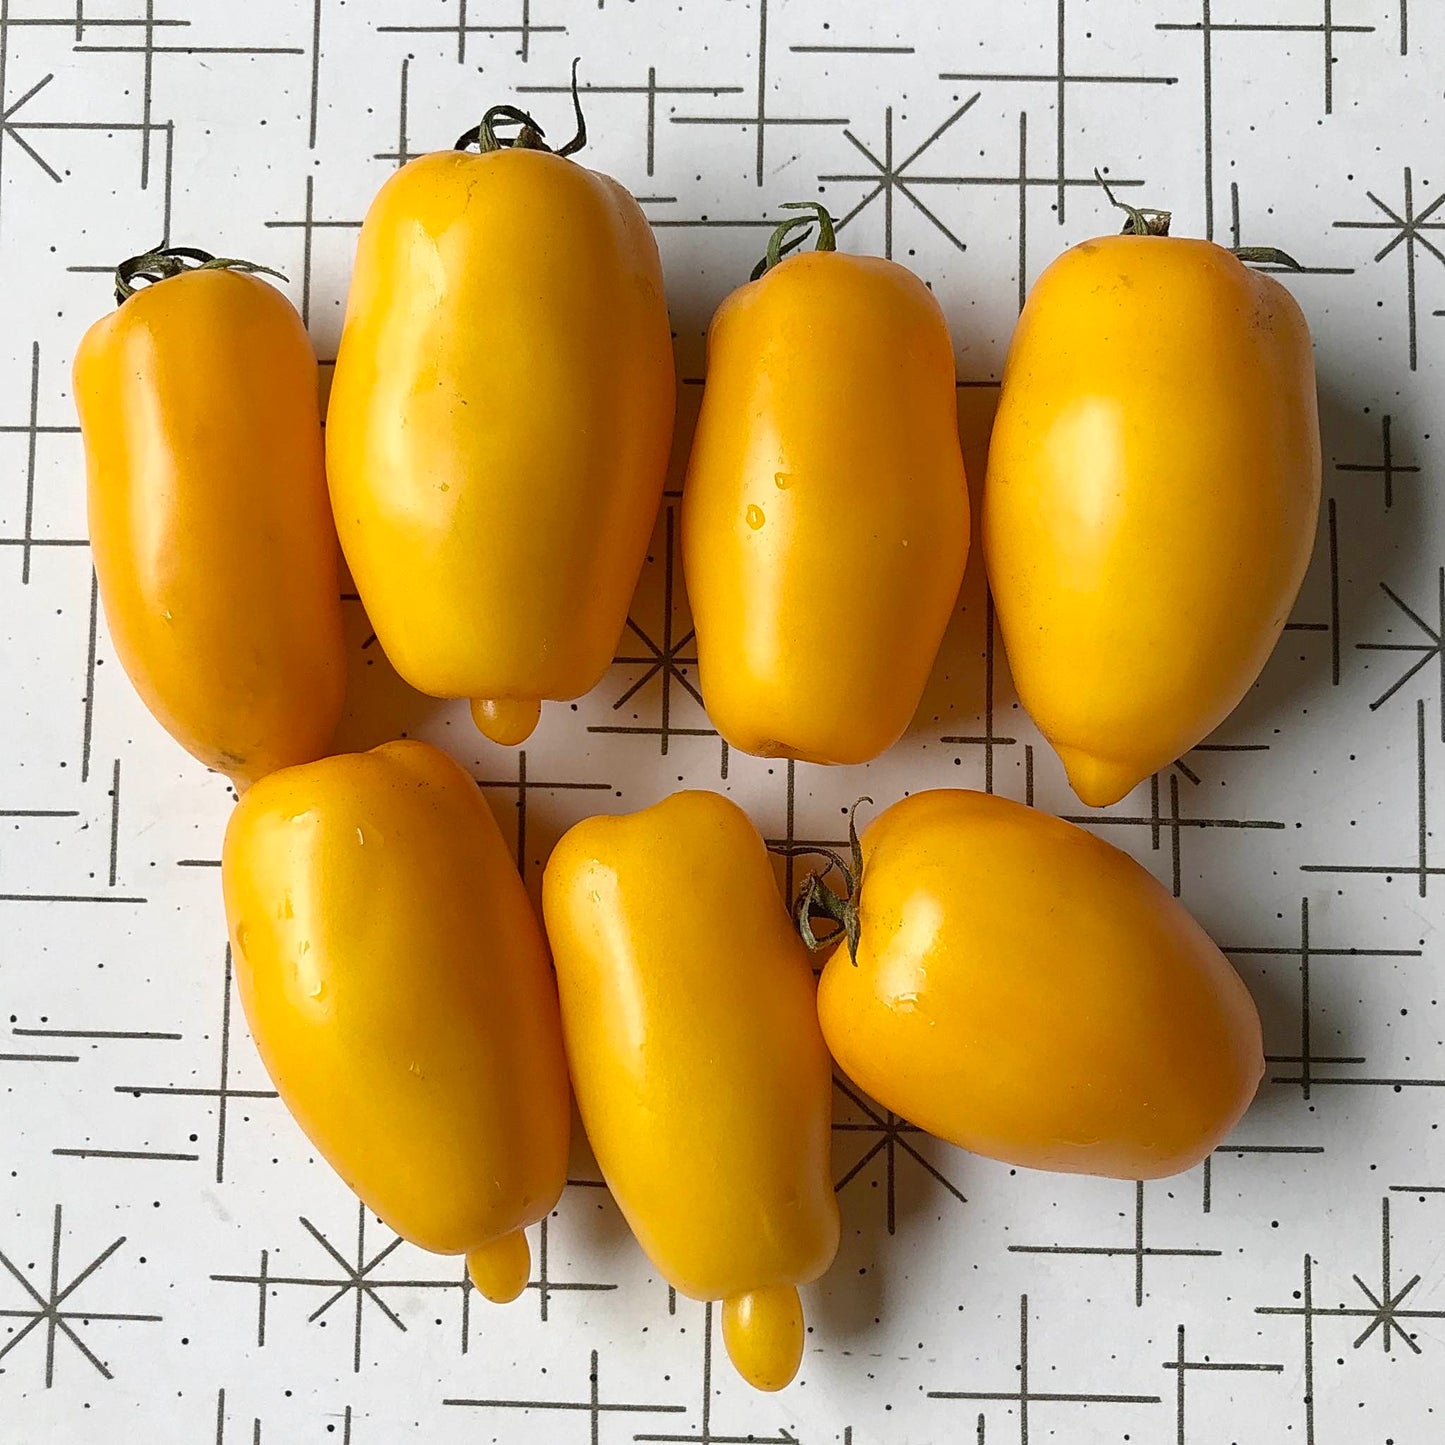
x: 817, y: 900
x: 827, y: 237
x: 1141, y: 220
x: 1146, y: 221
x: 530, y: 135
x: 163, y: 262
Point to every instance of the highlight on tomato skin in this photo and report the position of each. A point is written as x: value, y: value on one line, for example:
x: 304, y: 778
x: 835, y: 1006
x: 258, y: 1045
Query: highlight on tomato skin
x: 1152, y: 495
x: 500, y: 419
x: 1028, y: 992
x: 394, y: 976
x: 212, y: 538
x: 697, y: 1061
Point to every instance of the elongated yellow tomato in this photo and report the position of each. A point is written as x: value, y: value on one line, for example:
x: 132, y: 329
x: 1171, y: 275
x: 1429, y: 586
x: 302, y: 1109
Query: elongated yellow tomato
x: 825, y: 513
x: 1028, y: 992
x: 209, y: 525
x: 692, y: 1038
x: 1153, y: 486
x: 395, y: 979
x: 499, y: 425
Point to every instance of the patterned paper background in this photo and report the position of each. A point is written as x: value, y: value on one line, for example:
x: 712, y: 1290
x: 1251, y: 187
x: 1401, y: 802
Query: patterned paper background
x: 175, y: 1266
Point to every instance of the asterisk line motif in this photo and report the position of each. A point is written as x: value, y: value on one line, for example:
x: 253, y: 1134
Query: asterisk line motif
x: 1411, y: 228
x: 887, y: 177
x: 356, y: 1274
x: 890, y: 1129
x: 13, y: 128
x: 356, y: 1277
x: 1408, y: 232
x: 46, y: 1309
x: 666, y: 658
x: 1428, y: 651
x: 1385, y: 1313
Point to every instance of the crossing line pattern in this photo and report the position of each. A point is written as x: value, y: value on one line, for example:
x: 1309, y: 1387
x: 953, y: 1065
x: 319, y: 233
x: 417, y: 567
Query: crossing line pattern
x: 175, y: 1261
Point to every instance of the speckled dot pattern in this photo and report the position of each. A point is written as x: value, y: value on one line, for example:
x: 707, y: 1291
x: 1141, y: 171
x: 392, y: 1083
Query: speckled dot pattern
x: 177, y: 1267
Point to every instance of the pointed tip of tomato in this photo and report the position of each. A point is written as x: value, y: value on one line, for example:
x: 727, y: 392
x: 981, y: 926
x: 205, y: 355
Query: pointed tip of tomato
x: 1099, y: 781
x: 509, y: 721
x: 500, y: 1268
x: 763, y: 1333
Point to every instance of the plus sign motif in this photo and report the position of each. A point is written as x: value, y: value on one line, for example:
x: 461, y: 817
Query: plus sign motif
x: 175, y: 1262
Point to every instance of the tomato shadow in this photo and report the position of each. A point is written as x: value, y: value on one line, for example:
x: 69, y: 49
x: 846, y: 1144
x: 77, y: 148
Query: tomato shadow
x: 379, y: 705
x: 961, y: 686
x: 689, y: 352
x: 593, y: 1212
x: 898, y: 1190
x: 1373, y: 533
x: 1329, y: 1035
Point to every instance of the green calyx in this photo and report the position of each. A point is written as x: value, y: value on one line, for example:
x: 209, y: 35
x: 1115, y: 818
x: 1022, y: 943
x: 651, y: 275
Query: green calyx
x: 778, y: 243
x: 817, y: 900
x: 164, y: 262
x: 530, y: 136
x: 1147, y: 221
x: 1266, y: 256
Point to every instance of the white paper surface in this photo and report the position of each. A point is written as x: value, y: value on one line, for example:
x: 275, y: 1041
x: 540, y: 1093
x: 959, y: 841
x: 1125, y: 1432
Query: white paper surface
x: 1293, y: 1290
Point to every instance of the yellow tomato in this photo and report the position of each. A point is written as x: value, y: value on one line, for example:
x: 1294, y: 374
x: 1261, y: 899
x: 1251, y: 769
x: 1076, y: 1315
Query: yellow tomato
x: 499, y: 425
x: 209, y: 525
x: 825, y: 512
x: 1153, y: 486
x: 692, y: 1037
x: 395, y: 979
x: 1028, y: 992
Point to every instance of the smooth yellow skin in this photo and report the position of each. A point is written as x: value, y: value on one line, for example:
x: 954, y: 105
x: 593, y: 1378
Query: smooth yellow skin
x: 1152, y: 492
x: 1028, y: 992
x: 763, y: 1334
x: 825, y: 519
x: 210, y: 529
x: 395, y: 979
x: 499, y: 425
x: 688, y: 1007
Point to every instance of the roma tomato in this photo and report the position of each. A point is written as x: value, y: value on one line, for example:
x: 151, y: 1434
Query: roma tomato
x: 825, y: 512
x: 500, y: 422
x: 395, y: 979
x: 697, y: 1062
x: 1152, y: 492
x: 1028, y: 992
x: 209, y: 525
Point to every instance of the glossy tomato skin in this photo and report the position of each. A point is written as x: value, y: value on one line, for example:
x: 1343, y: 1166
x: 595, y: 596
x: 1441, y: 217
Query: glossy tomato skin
x: 1030, y: 993
x: 499, y: 426
x: 825, y: 519
x: 688, y: 1007
x: 1152, y: 493
x: 210, y: 530
x: 395, y: 979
